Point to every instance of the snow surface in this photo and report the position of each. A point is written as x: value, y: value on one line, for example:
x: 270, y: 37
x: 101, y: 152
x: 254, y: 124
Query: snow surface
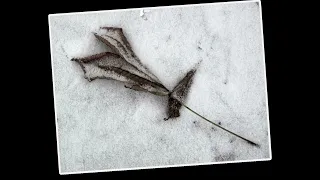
x: 103, y: 126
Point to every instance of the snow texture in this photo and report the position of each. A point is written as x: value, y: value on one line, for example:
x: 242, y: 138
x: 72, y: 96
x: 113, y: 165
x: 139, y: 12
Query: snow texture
x: 103, y: 126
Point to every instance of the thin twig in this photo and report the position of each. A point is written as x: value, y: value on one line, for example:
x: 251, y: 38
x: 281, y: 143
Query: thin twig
x: 250, y: 142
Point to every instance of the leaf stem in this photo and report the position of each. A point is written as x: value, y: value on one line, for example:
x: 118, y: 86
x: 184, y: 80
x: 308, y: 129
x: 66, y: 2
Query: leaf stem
x: 248, y: 141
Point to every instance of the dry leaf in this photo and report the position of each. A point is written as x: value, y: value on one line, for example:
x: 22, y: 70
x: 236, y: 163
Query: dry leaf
x: 179, y: 94
x: 114, y: 38
x: 182, y: 88
x: 111, y: 66
x: 126, y: 67
x: 174, y: 107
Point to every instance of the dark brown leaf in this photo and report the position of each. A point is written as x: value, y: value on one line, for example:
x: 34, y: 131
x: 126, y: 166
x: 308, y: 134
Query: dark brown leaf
x: 174, y: 107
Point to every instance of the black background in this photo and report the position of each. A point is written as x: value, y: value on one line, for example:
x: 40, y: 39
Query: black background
x: 275, y: 40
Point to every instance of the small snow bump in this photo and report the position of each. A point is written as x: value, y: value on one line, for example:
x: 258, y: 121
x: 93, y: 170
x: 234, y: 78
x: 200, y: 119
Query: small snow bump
x: 141, y: 12
x: 143, y: 15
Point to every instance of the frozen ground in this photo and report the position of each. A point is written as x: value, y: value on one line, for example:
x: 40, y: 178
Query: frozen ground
x: 102, y: 126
